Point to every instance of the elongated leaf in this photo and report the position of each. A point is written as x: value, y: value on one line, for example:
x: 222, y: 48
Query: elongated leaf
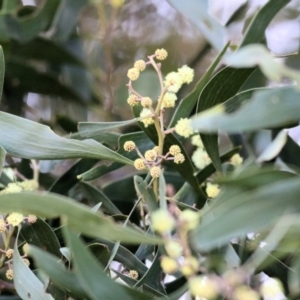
x: 2, y: 158
x: 247, y: 212
x: 2, y: 71
x: 40, y: 142
x: 92, y: 277
x: 290, y: 153
x: 228, y: 81
x: 41, y: 235
x: 267, y: 108
x: 274, y: 148
x: 95, y: 195
x: 146, y: 193
x: 256, y: 29
x: 27, y: 285
x: 91, y: 129
x: 25, y: 29
x: 196, y: 12
x: 222, y: 86
x: 69, y: 179
x: 188, y: 103
x: 56, y: 271
x: 131, y: 282
x: 79, y: 216
x: 153, y: 274
x: 66, y: 18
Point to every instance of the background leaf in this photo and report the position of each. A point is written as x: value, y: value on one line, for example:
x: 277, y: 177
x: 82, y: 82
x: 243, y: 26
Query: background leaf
x: 79, y: 216
x: 267, y: 108
x: 28, y: 286
x: 40, y: 142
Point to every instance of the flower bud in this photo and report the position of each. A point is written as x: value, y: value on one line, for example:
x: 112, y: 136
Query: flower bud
x: 168, y: 265
x: 204, y: 287
x: 133, y: 74
x: 161, y: 54
x: 162, y: 221
x: 129, y: 146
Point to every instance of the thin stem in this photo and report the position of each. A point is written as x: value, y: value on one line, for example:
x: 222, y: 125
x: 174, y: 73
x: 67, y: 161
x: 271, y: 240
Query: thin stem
x: 157, y: 69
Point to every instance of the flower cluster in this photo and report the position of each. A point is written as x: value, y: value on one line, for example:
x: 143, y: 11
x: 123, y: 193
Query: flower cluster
x: 167, y: 99
x: 152, y: 160
x: 8, y: 260
x: 210, y: 286
x: 178, y: 256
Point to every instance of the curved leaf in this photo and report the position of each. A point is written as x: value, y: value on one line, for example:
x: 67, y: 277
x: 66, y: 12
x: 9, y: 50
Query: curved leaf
x: 247, y: 212
x: 79, y: 217
x: 188, y: 103
x: 90, y: 273
x: 41, y: 235
x: 40, y: 142
x: 196, y: 12
x: 256, y: 30
x: 91, y: 129
x: 27, y: 285
x: 267, y: 109
x: 56, y: 271
x: 221, y: 87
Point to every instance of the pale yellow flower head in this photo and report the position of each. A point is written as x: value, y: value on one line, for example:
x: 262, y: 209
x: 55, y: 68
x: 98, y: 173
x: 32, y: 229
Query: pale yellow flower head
x: 26, y: 262
x: 169, y: 100
x: 146, y: 102
x: 133, y: 74
x: 15, y: 219
x: 186, y: 73
x: 9, y: 274
x: 244, y: 292
x: 179, y: 158
x: 2, y: 225
x: 162, y: 221
x: 150, y: 155
x: 139, y: 164
x: 12, y: 188
x: 140, y: 65
x: 129, y: 146
x: 9, y: 253
x: 169, y: 265
x: 133, y: 274
x: 190, y: 266
x: 29, y: 185
x: 31, y: 219
x: 132, y: 100
x: 196, y: 141
x: 173, y: 249
x: 236, y: 159
x: 204, y: 287
x: 174, y: 150
x: 155, y: 171
x: 184, y: 127
x: 161, y: 54
x: 189, y: 219
x: 212, y: 190
x: 144, y: 114
x: 173, y: 82
x: 200, y: 158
